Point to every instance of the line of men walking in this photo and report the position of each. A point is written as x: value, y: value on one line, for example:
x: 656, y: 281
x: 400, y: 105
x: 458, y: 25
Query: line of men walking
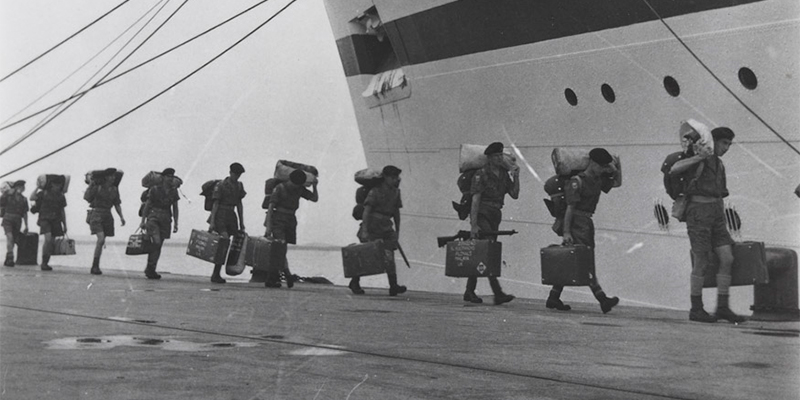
x: 381, y: 217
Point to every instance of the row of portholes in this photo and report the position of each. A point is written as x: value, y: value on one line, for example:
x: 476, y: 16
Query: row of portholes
x: 746, y: 77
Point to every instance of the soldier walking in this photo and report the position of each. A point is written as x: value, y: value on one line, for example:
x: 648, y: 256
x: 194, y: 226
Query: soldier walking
x: 160, y: 210
x: 490, y: 185
x: 227, y: 196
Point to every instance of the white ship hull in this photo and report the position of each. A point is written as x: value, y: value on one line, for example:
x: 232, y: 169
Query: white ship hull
x: 517, y: 95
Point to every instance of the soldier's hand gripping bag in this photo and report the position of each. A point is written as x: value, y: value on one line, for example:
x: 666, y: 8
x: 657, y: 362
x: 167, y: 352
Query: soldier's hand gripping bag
x: 749, y: 265
x: 567, y: 265
x: 370, y: 258
x: 208, y: 246
x: 473, y: 258
x: 265, y: 254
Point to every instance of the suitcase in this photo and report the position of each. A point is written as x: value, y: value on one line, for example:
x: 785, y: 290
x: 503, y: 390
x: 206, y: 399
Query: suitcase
x: 63, y: 246
x: 27, y: 248
x: 749, y: 265
x: 265, y: 254
x: 364, y: 259
x: 468, y: 258
x: 208, y: 246
x: 567, y: 265
x: 235, y: 263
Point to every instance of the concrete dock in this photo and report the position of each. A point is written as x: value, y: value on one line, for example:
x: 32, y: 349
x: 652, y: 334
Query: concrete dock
x: 67, y: 334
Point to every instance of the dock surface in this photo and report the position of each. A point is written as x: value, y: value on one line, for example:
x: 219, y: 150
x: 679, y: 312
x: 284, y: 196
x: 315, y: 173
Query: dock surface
x: 70, y: 335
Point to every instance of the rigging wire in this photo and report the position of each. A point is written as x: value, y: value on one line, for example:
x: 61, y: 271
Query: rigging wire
x: 135, y: 67
x: 157, y: 95
x: 729, y: 90
x: 79, y: 68
x: 63, y: 41
x: 55, y: 114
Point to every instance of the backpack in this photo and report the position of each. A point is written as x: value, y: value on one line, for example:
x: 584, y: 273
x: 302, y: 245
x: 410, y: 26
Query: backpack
x: 269, y: 186
x: 361, y: 197
x: 207, y: 191
x: 464, y: 184
x: 674, y: 185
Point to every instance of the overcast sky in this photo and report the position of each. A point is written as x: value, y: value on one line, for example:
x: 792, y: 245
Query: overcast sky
x: 280, y: 94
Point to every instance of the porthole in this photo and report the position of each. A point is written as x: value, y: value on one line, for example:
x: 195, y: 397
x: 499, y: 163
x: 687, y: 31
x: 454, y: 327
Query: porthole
x: 608, y: 93
x: 572, y: 98
x: 748, y: 78
x: 672, y: 87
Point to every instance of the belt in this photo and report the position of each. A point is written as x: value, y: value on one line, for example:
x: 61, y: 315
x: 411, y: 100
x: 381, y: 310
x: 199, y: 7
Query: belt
x: 100, y: 209
x: 583, y: 213
x: 704, y: 199
x: 492, y: 204
x: 283, y: 210
x: 384, y: 214
x: 225, y: 206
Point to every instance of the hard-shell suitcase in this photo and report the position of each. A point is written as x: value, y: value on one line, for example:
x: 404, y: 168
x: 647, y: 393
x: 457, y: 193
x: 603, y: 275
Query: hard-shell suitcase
x: 749, y: 265
x: 235, y: 263
x: 370, y: 258
x: 208, y: 246
x: 265, y: 254
x: 777, y: 300
x: 567, y: 265
x: 27, y: 248
x: 468, y: 258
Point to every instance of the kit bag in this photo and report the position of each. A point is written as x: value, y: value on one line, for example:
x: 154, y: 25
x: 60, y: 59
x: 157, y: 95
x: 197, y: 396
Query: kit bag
x: 63, y: 246
x: 138, y: 243
x: 284, y: 168
x: 207, y: 191
x: 236, y: 255
x: 682, y: 201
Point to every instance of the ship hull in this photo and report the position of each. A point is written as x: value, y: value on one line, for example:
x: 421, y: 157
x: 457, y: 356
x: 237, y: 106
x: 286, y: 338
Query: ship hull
x: 516, y: 94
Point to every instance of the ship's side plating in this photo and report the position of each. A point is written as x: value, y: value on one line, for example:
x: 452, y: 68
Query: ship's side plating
x: 616, y: 79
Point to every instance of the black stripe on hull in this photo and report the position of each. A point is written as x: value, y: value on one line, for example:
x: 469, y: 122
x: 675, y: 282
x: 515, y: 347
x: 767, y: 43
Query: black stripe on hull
x: 474, y: 26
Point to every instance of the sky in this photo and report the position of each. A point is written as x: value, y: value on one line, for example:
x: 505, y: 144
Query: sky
x: 279, y: 94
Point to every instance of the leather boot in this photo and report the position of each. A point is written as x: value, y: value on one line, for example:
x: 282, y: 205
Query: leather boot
x: 394, y: 288
x: 215, y: 277
x: 697, y: 313
x: 355, y: 286
x: 724, y: 312
x: 45, y: 266
x: 499, y: 296
x: 96, y: 267
x: 9, y: 260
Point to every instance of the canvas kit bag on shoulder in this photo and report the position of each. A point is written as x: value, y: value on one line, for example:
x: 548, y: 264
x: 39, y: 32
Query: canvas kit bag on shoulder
x: 63, y: 246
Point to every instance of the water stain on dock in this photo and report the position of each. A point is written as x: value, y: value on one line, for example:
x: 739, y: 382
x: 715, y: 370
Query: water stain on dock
x: 162, y: 343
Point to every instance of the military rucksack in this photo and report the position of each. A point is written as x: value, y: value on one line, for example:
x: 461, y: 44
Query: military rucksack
x: 464, y: 183
x: 269, y: 186
x: 361, y: 197
x: 207, y: 191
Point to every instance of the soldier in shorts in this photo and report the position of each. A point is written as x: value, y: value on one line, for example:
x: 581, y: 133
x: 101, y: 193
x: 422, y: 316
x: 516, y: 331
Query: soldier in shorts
x: 227, y: 196
x: 160, y: 209
x: 582, y: 193
x: 14, y: 208
x: 52, y: 218
x: 281, y: 222
x: 705, y: 224
x: 490, y: 185
x: 381, y: 208
x: 102, y: 195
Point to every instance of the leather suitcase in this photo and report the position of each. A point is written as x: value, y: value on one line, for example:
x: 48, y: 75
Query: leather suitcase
x: 567, y: 265
x: 363, y: 259
x: 27, y: 248
x: 468, y: 258
x: 265, y: 254
x: 235, y: 263
x: 749, y: 265
x: 208, y: 246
